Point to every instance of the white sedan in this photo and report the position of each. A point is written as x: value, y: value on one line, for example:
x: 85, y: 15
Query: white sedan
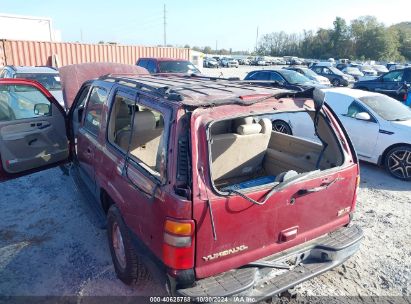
x: 379, y: 127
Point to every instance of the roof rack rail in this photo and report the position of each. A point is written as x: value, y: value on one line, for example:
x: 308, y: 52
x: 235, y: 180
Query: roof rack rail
x: 212, y: 78
x: 165, y: 92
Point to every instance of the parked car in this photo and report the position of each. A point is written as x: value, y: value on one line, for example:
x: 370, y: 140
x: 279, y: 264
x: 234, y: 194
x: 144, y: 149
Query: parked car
x: 243, y: 61
x: 336, y: 77
x: 310, y: 74
x: 229, y: 63
x: 158, y: 158
x: 367, y: 70
x: 210, y: 63
x: 389, y: 83
x: 48, y: 76
x: 282, y: 78
x: 354, y: 72
x: 167, y: 65
x: 385, y: 125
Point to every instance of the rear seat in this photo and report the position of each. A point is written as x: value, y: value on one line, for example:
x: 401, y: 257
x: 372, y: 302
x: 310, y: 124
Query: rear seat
x: 146, y: 139
x: 241, y: 153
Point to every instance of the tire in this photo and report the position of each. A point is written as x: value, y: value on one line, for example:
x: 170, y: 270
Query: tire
x: 127, y: 264
x: 282, y: 127
x: 363, y: 88
x: 398, y: 162
x: 336, y: 82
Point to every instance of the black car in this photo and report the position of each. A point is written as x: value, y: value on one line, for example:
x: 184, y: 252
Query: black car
x: 334, y: 75
x: 286, y: 79
x: 389, y: 83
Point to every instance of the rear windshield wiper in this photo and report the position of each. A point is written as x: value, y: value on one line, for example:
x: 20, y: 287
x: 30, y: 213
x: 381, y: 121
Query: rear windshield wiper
x: 272, y: 190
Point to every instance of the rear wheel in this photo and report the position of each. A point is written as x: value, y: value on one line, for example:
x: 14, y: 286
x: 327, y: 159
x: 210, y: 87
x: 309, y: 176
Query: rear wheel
x: 335, y: 82
x: 282, y: 127
x: 127, y: 265
x: 398, y: 162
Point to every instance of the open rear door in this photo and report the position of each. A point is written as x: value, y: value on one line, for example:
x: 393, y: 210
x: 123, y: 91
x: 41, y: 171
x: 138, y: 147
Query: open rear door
x: 33, y: 133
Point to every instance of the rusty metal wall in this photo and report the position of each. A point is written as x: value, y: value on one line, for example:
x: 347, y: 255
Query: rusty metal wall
x: 32, y: 53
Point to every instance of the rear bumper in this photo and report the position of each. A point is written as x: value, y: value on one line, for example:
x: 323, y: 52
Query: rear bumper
x: 260, y: 282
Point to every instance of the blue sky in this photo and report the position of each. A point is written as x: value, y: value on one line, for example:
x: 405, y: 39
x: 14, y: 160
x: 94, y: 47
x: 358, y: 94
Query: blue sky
x: 201, y: 23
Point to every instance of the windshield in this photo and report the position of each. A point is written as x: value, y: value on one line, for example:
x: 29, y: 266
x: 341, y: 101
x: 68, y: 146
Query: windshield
x: 50, y: 81
x: 336, y: 71
x: 177, y: 67
x: 387, y: 107
x: 294, y: 77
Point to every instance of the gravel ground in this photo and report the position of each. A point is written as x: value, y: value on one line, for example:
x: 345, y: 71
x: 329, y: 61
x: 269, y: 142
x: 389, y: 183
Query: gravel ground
x: 50, y: 245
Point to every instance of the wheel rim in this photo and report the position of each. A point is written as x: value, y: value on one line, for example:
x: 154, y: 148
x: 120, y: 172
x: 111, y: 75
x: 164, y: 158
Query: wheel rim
x: 280, y: 127
x: 336, y: 83
x: 399, y: 163
x: 118, y: 245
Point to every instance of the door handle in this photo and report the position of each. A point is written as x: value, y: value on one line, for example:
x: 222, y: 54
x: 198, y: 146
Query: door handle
x: 32, y: 141
x: 88, y: 151
x: 43, y: 126
x: 323, y: 186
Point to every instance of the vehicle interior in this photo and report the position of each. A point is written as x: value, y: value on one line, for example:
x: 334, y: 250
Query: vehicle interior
x: 32, y: 130
x: 146, y: 131
x: 246, y: 152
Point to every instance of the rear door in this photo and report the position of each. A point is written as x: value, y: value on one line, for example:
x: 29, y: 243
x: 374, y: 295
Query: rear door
x: 231, y: 231
x: 391, y: 82
x: 33, y: 134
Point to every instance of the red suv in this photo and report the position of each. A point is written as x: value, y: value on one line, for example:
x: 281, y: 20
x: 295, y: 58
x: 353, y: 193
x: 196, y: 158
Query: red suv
x: 192, y: 177
x: 167, y: 65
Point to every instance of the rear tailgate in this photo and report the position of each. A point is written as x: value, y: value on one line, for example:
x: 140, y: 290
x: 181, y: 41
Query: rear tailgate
x: 245, y: 232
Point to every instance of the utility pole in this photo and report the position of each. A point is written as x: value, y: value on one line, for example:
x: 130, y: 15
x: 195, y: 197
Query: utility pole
x: 256, y: 42
x: 81, y: 35
x: 216, y: 44
x: 165, y: 24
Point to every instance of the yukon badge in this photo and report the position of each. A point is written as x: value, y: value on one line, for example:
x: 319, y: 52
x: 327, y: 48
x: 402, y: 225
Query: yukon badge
x: 224, y: 253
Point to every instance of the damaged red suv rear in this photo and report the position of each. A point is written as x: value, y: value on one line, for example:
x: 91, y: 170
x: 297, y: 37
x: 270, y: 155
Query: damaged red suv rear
x: 194, y: 180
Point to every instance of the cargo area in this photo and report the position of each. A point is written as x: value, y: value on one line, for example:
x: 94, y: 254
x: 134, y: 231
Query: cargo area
x: 246, y: 152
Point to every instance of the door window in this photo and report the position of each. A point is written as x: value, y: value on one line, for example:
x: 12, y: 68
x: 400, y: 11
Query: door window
x: 327, y: 71
x: 354, y: 108
x: 276, y: 77
x: 393, y: 76
x: 22, y: 102
x: 151, y: 66
x: 260, y: 76
x: 94, y: 109
x: 317, y: 70
x: 146, y: 145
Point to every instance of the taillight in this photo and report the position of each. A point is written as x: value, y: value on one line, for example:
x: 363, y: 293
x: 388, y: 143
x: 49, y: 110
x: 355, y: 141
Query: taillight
x: 178, y: 247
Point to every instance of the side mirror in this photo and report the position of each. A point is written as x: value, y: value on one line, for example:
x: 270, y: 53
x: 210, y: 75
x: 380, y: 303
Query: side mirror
x: 319, y: 99
x: 363, y: 116
x: 42, y: 109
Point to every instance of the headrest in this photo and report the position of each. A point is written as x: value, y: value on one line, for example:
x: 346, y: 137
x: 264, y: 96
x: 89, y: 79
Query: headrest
x: 144, y: 120
x: 243, y: 121
x: 122, y: 109
x: 249, y: 129
x: 266, y: 125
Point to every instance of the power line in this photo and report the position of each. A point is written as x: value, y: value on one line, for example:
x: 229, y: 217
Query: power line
x: 165, y: 24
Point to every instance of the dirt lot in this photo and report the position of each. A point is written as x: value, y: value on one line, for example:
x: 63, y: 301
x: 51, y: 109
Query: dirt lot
x: 49, y: 244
